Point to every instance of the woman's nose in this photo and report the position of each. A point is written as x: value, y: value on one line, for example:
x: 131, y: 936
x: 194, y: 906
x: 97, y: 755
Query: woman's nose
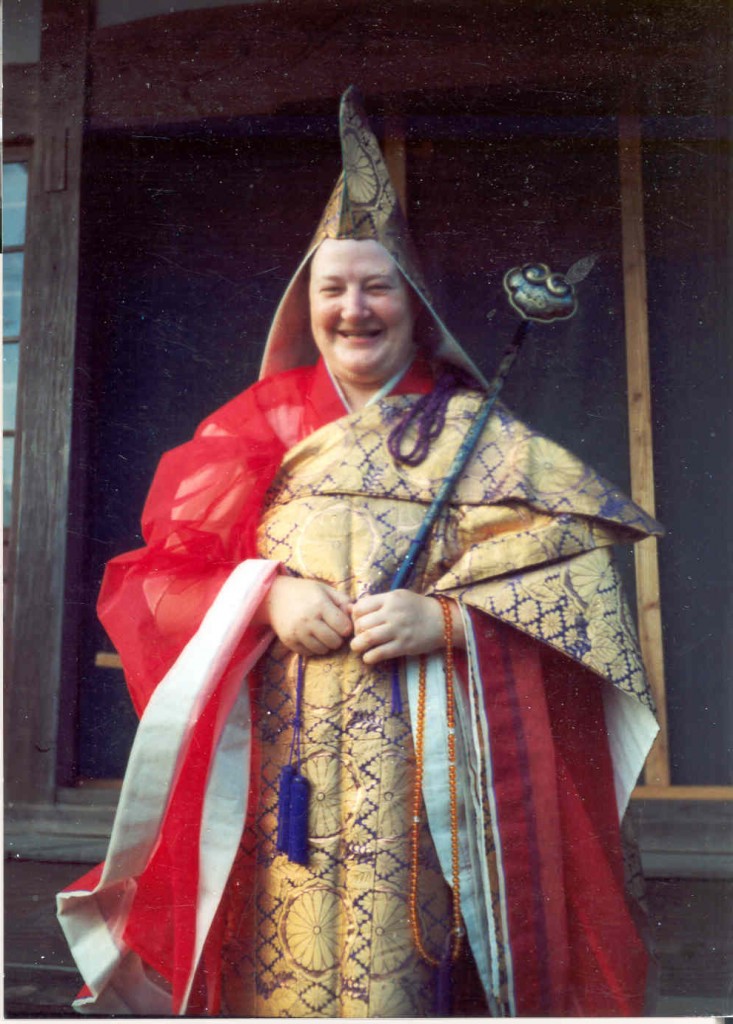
x: 354, y: 304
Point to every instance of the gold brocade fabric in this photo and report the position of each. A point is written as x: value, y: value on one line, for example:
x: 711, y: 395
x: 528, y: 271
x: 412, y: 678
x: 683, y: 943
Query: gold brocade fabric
x: 525, y: 539
x: 332, y: 939
x: 526, y: 536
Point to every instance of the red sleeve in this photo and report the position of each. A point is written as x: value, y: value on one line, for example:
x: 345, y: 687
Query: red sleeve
x: 199, y: 522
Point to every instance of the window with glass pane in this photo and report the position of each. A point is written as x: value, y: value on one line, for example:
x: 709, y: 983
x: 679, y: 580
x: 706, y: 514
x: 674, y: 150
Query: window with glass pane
x: 12, y: 292
x: 15, y: 196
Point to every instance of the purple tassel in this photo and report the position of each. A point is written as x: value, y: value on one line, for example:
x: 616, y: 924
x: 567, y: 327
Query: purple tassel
x: 292, y: 809
x: 287, y: 775
x: 298, y: 830
x: 396, y: 695
x: 444, y: 987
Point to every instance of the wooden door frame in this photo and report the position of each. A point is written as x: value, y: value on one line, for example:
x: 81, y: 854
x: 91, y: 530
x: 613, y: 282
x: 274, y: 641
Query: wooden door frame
x: 44, y: 409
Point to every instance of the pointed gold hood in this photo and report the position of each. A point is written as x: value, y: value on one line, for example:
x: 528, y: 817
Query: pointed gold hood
x: 363, y: 205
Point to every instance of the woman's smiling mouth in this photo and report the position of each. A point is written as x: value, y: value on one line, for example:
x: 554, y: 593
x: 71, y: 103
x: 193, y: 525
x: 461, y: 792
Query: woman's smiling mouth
x: 365, y: 334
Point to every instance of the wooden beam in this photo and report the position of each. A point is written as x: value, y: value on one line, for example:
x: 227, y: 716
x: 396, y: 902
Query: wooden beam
x: 45, y: 406
x: 640, y: 429
x: 258, y: 58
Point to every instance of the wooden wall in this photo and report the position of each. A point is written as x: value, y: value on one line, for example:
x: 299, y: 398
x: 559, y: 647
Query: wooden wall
x: 429, y: 63
x: 266, y: 57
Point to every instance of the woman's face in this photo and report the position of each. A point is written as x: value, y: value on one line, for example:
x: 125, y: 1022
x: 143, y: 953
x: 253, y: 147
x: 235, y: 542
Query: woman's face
x: 361, y: 314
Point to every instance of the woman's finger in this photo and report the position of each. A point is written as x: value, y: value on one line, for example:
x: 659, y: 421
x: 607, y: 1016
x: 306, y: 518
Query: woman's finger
x: 344, y: 603
x: 373, y: 636
x: 322, y: 634
x: 338, y: 619
x: 367, y: 604
x: 371, y: 621
x: 384, y: 652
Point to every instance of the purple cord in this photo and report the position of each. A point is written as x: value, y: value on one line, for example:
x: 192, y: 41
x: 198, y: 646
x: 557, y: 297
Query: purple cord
x: 428, y: 415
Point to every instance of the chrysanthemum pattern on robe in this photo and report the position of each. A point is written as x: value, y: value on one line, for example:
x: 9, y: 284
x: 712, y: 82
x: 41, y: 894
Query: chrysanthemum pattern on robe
x: 311, y: 923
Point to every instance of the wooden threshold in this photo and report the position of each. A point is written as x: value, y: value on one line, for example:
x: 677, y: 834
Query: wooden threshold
x: 683, y: 793
x: 107, y: 659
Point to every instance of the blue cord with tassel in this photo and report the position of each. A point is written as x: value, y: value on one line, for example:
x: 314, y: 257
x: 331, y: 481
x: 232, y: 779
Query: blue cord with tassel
x: 293, y: 790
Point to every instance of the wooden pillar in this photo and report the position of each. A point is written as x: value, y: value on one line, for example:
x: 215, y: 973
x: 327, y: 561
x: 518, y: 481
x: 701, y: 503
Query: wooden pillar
x: 640, y: 429
x: 45, y: 406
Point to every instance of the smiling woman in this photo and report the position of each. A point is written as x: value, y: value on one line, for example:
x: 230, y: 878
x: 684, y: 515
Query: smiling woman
x: 290, y: 840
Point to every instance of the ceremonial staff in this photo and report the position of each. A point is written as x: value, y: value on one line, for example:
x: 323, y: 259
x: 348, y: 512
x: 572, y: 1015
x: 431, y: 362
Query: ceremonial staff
x: 539, y: 296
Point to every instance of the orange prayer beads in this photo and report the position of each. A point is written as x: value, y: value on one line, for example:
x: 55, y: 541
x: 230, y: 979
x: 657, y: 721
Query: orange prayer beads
x: 457, y: 925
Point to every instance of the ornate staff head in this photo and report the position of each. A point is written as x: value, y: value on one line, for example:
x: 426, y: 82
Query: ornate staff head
x: 538, y: 294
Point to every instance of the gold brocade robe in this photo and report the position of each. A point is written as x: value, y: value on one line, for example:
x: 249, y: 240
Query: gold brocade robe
x: 526, y: 539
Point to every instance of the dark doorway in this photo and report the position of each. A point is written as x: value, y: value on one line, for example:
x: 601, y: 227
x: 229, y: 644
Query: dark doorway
x: 189, y: 236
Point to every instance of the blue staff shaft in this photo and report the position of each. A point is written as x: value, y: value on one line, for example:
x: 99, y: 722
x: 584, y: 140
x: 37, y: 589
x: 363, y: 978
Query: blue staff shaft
x: 404, y: 572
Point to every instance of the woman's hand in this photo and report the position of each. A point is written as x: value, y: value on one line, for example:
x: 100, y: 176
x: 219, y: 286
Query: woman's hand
x: 309, y: 617
x: 400, y: 623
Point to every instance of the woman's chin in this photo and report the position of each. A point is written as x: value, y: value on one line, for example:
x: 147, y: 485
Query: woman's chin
x: 363, y: 372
